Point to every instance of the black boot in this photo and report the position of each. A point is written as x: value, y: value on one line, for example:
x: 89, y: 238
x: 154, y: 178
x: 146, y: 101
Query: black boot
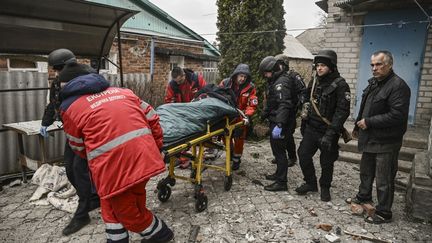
x: 236, y: 165
x: 292, y: 161
x: 277, y: 186
x: 305, y: 188
x: 325, y: 194
x: 271, y: 177
x: 75, y: 225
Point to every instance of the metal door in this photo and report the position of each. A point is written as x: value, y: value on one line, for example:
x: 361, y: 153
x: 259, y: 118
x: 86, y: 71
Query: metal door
x: 405, y: 40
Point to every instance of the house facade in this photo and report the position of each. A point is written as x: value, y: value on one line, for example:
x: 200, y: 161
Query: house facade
x: 357, y: 28
x: 300, y: 57
x: 152, y: 43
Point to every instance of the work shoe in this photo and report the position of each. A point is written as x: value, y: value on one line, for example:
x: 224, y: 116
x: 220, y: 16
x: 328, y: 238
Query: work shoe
x: 305, y: 188
x: 292, y: 162
x: 165, y: 234
x: 271, y: 177
x: 325, y: 194
x: 276, y: 186
x: 75, y: 225
x: 235, y: 165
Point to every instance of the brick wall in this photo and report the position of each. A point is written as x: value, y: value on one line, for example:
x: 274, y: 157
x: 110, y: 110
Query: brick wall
x: 136, y: 59
x: 303, y: 67
x: 346, y: 42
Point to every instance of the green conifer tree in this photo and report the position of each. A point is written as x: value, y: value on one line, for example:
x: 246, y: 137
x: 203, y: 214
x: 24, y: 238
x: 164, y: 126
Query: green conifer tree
x: 248, y: 31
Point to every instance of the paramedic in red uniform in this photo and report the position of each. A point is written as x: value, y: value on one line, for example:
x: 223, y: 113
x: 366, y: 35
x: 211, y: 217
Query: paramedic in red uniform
x: 181, y: 89
x: 183, y: 86
x: 240, y: 82
x: 120, y: 136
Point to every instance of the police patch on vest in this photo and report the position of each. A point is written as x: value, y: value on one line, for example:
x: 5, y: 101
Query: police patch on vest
x: 348, y: 96
x: 254, y: 102
x: 278, y: 87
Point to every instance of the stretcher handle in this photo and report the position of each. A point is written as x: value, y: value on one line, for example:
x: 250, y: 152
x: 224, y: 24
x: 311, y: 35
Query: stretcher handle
x: 243, y: 115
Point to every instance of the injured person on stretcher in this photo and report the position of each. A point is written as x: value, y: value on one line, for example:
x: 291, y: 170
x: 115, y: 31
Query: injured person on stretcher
x: 193, y: 127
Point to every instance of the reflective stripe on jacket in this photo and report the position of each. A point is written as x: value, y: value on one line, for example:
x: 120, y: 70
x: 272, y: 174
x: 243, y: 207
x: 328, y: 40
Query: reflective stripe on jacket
x: 119, y: 134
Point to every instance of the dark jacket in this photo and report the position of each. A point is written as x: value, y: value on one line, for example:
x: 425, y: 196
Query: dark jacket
x: 300, y: 87
x: 68, y: 73
x: 281, y: 99
x: 387, y: 114
x: 333, y: 101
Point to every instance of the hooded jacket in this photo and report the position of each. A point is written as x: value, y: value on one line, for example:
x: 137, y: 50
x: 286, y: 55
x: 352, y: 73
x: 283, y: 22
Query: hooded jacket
x: 114, y: 130
x: 247, y: 101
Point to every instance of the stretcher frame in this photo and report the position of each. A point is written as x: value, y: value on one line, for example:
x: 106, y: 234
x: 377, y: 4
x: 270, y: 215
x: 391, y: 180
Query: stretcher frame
x: 198, y: 164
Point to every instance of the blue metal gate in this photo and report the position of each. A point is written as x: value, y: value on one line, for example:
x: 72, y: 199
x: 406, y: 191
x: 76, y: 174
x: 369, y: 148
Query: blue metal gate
x: 406, y: 40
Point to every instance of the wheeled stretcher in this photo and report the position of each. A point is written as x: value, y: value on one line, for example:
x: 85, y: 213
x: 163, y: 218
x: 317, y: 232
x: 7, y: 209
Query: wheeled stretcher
x: 196, y: 143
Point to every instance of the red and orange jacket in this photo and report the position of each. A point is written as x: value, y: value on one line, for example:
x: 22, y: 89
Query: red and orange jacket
x: 114, y: 130
x: 184, y: 92
x: 247, y: 101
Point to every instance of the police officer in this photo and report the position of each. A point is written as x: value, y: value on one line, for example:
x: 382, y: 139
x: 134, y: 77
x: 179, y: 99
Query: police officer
x: 64, y: 63
x: 300, y: 93
x: 280, y: 111
x: 331, y: 105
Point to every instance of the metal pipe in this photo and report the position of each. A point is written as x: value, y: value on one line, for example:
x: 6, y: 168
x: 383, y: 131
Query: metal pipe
x: 152, y: 50
x: 120, y: 54
x: 16, y: 90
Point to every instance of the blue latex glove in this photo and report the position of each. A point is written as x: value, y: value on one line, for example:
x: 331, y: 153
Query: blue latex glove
x: 277, y: 133
x: 43, y: 131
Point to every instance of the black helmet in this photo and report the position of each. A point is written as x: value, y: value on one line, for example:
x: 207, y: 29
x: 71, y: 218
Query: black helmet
x: 327, y: 57
x: 267, y: 64
x: 283, y: 59
x: 61, y: 57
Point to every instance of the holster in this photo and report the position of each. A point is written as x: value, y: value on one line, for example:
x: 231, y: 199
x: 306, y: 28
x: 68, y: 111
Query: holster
x: 346, y: 135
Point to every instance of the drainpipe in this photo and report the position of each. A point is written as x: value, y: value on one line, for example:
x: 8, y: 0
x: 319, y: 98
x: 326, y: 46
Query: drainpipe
x: 152, y: 58
x: 120, y: 53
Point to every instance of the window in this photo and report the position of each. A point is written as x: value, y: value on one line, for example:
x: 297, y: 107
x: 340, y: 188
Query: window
x: 106, y: 66
x: 17, y: 64
x: 176, y: 61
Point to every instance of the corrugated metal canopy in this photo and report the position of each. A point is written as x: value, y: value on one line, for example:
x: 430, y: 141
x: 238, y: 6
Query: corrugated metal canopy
x: 38, y: 27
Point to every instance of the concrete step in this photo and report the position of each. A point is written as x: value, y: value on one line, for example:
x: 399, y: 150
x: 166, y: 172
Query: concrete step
x: 404, y: 166
x: 406, y: 153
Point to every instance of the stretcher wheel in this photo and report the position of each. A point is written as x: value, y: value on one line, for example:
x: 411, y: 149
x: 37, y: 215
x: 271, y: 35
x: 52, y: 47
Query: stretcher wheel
x: 201, y: 203
x: 164, y: 193
x: 227, y: 183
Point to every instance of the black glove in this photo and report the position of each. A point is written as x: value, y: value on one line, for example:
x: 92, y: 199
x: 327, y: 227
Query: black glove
x: 327, y: 140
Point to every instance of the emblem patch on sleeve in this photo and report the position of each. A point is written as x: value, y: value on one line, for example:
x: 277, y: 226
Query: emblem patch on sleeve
x: 254, y: 101
x: 278, y: 87
x: 348, y: 96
